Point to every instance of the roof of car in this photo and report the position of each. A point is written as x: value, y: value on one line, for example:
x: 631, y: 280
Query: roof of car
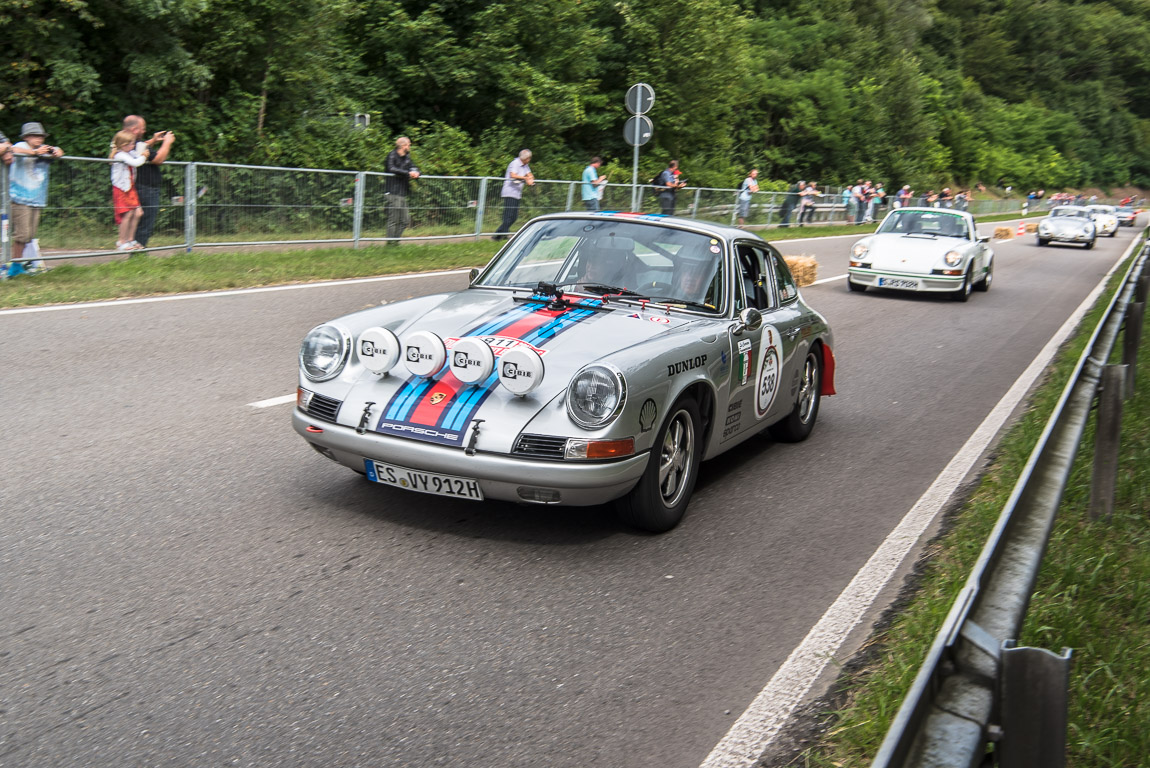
x: 931, y: 209
x: 704, y: 227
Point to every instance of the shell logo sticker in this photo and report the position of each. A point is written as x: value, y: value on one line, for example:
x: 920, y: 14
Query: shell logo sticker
x: 770, y: 370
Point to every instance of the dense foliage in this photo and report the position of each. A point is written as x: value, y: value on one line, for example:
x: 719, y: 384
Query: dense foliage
x: 1033, y: 93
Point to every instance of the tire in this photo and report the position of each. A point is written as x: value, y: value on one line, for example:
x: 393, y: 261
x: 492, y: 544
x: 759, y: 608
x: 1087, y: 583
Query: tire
x: 659, y: 500
x: 963, y: 293
x: 1042, y: 241
x: 1089, y: 245
x: 855, y: 287
x: 1115, y: 232
x: 983, y: 285
x: 799, y: 424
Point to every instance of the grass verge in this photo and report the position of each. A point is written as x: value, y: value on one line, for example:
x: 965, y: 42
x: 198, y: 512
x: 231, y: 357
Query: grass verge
x: 1093, y: 594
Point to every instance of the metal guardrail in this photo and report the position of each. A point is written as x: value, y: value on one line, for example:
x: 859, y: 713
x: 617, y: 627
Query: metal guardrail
x: 975, y: 688
x: 215, y: 204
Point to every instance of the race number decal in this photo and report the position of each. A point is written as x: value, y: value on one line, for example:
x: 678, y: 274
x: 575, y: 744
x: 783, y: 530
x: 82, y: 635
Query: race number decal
x: 770, y: 370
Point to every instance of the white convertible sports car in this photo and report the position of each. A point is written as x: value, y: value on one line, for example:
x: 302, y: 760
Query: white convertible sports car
x: 1105, y: 219
x: 923, y: 249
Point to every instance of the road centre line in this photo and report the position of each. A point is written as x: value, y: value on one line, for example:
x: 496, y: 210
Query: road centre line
x: 755, y: 730
x: 282, y: 400
x: 235, y: 292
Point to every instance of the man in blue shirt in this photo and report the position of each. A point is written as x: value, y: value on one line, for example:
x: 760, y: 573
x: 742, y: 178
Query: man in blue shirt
x: 592, y: 181
x: 28, y: 184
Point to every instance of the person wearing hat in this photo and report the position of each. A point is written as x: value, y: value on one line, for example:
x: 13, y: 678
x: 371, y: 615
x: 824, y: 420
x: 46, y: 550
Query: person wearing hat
x: 28, y: 184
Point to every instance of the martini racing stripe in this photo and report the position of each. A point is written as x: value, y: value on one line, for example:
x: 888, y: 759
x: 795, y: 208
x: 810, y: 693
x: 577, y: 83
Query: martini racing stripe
x: 443, y: 402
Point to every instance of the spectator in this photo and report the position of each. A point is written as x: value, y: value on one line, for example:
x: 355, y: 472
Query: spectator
x: 668, y: 185
x: 149, y: 180
x: 847, y: 200
x: 402, y: 171
x: 874, y: 200
x: 807, y: 202
x: 945, y: 199
x: 28, y: 184
x: 790, y: 201
x: 592, y: 184
x: 746, y: 189
x: 5, y: 145
x: 902, y: 199
x: 858, y: 197
x: 125, y: 199
x: 517, y: 175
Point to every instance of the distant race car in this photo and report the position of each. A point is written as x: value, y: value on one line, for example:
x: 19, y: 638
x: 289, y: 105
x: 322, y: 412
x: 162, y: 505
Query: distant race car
x: 1068, y: 224
x: 923, y: 249
x: 1126, y: 215
x: 599, y: 357
x: 1105, y: 219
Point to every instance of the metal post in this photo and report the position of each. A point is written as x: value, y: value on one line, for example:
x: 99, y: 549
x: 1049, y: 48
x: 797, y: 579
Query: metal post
x: 695, y: 205
x: 636, y: 195
x: 1035, y: 694
x: 571, y: 195
x: 771, y: 207
x: 357, y: 214
x: 5, y: 217
x: 480, y: 207
x: 1131, y: 341
x: 1107, y: 439
x: 189, y: 207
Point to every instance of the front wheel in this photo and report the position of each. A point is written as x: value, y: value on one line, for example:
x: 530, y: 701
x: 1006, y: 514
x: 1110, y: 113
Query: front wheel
x: 1089, y: 245
x: 963, y: 293
x: 856, y: 287
x: 659, y: 500
x: 984, y: 284
x: 799, y: 424
x: 1042, y: 241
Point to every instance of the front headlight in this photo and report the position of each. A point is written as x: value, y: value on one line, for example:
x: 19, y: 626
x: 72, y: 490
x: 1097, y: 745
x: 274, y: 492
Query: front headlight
x: 953, y: 258
x: 860, y: 249
x: 596, y: 396
x: 324, y: 352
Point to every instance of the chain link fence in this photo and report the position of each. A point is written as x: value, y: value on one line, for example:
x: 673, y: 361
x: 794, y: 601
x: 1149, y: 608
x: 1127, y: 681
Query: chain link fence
x: 213, y: 204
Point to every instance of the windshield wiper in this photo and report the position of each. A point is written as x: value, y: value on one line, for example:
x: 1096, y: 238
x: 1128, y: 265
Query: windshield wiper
x: 598, y: 288
x: 682, y: 303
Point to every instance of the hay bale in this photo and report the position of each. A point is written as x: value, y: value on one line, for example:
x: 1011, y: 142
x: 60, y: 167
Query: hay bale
x: 1003, y: 233
x: 804, y: 268
x: 1031, y: 227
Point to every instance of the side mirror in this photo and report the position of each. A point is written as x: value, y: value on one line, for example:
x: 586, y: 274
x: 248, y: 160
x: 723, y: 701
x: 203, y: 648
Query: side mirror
x: 474, y: 273
x: 750, y: 319
x: 983, y: 239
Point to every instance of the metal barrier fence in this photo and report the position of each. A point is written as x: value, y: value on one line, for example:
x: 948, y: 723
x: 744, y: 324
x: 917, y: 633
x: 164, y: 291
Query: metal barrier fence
x: 975, y: 687
x: 213, y: 204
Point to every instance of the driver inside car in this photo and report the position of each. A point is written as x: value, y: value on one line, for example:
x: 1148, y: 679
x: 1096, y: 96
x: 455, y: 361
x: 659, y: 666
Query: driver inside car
x: 696, y: 277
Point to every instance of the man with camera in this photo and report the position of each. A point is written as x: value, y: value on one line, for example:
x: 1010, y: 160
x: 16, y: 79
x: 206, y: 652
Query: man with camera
x: 148, y: 179
x: 28, y: 184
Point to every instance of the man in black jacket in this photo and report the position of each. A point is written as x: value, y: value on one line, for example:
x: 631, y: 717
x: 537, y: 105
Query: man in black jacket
x: 401, y: 171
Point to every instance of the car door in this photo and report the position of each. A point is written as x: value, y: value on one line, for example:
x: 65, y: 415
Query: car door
x: 760, y: 357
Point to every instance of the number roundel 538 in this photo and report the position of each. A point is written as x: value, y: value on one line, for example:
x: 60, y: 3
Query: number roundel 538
x: 770, y: 370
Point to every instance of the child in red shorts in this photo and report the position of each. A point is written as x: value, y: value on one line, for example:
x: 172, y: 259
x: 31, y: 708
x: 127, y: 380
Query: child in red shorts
x: 124, y: 198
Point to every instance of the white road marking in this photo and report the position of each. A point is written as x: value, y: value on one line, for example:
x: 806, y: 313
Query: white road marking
x: 757, y: 727
x: 283, y: 400
x: 236, y: 292
x: 829, y: 279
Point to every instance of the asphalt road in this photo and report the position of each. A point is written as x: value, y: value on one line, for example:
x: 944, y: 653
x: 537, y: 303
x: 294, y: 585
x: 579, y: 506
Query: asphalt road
x: 185, y: 583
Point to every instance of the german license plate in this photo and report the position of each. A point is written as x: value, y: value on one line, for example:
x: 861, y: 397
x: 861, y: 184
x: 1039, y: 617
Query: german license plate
x: 897, y: 282
x: 424, y: 482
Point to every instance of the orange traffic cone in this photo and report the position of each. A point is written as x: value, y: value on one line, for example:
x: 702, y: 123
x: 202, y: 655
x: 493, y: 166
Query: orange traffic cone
x: 1021, y: 229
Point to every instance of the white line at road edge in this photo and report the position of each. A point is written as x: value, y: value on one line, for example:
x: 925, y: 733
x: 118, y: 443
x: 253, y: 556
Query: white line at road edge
x: 756, y: 728
x: 237, y: 292
x: 282, y: 400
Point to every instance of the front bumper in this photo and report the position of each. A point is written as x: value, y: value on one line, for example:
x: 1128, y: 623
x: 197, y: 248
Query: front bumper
x: 905, y: 281
x: 1066, y: 238
x: 499, y: 476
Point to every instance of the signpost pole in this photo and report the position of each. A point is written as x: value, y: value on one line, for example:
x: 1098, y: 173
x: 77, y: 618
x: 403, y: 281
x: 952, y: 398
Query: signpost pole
x: 640, y: 97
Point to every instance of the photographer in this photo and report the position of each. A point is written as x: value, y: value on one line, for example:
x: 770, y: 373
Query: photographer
x: 149, y: 181
x: 28, y: 184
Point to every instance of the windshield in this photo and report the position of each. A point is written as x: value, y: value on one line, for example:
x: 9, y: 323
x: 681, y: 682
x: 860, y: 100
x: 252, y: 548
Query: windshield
x: 937, y: 223
x: 1074, y: 213
x: 598, y: 257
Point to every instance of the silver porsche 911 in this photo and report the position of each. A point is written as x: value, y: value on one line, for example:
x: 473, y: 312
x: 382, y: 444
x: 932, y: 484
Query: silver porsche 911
x: 923, y: 249
x: 599, y: 357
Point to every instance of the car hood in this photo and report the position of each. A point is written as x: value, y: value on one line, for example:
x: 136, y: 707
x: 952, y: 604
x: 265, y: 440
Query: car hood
x: 917, y: 254
x: 441, y: 408
x: 1064, y: 225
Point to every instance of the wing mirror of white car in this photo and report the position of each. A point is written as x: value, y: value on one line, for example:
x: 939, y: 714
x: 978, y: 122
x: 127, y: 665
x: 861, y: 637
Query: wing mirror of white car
x: 983, y: 239
x: 474, y: 273
x: 750, y: 319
